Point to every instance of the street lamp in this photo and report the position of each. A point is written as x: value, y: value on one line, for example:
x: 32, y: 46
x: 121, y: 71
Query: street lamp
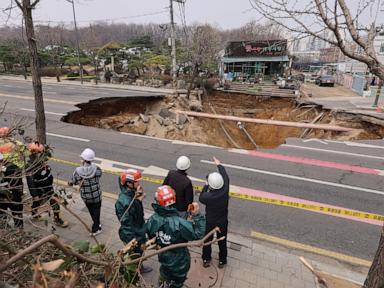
x: 77, y: 39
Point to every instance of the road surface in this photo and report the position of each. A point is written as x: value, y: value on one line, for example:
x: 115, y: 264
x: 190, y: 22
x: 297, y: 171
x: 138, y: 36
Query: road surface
x: 301, y: 172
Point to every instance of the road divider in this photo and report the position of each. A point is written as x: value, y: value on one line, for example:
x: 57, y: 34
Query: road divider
x: 269, y: 198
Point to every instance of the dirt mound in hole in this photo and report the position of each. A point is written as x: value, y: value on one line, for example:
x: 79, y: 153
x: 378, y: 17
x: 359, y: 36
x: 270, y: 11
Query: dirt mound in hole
x: 153, y: 116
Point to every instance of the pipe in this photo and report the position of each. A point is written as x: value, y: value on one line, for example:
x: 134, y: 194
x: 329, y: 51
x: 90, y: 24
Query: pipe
x: 268, y: 122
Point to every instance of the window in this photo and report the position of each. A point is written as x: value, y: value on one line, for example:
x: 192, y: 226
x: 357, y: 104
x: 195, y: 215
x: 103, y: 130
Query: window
x: 382, y: 48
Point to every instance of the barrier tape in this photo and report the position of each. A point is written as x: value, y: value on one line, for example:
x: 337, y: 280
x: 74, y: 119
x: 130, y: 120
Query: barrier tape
x: 303, y: 206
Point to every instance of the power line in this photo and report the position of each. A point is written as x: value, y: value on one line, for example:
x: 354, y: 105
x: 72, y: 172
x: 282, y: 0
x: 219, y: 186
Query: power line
x: 163, y: 11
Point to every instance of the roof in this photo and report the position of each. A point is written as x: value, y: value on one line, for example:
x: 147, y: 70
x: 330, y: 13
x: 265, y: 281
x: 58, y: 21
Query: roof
x: 256, y: 59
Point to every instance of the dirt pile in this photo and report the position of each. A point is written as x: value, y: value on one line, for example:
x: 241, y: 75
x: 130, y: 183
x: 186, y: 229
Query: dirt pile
x: 153, y: 116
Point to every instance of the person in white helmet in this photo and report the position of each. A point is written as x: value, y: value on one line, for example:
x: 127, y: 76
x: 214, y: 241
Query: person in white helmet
x: 87, y: 176
x: 179, y: 181
x: 215, y: 196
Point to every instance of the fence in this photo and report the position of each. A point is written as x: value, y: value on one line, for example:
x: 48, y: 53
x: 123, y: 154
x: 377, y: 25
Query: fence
x: 353, y: 82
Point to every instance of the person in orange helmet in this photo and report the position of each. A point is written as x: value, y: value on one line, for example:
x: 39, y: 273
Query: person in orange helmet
x: 40, y: 183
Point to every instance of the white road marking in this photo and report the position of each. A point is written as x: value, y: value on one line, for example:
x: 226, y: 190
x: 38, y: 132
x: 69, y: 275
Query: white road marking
x: 333, y: 151
x: 315, y: 140
x: 179, y: 142
x: 68, y: 137
x: 299, y: 178
x: 46, y: 112
x: 356, y: 144
x: 32, y: 99
x: 110, y: 165
x: 145, y: 136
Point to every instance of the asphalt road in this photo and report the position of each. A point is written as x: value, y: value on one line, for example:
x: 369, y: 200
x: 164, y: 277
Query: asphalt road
x: 320, y: 171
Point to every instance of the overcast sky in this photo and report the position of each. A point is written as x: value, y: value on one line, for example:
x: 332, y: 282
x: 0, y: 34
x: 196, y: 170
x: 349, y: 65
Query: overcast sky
x: 223, y: 13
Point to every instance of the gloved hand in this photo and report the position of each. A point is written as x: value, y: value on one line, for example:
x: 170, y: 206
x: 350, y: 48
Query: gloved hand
x: 194, y: 209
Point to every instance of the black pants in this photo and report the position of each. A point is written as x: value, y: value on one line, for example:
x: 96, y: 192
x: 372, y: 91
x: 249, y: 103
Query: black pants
x: 207, y: 250
x: 17, y: 209
x: 94, y: 209
x: 42, y: 199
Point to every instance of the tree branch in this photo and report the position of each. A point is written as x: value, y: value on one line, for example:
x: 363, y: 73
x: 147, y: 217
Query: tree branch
x: 53, y: 239
x: 197, y: 243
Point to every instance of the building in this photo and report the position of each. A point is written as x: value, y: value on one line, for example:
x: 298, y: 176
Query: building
x: 332, y: 54
x: 244, y: 60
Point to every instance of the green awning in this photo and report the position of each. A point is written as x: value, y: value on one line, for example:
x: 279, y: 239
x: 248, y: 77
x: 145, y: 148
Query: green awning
x: 255, y: 59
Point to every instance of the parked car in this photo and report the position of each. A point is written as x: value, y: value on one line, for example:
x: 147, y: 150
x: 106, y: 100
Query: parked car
x: 325, y: 80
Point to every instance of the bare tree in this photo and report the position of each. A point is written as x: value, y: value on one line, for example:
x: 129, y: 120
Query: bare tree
x: 204, y: 48
x: 353, y: 29
x: 26, y: 7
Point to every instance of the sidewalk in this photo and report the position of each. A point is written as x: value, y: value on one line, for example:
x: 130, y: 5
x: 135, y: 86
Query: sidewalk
x: 251, y: 263
x: 355, y: 105
x: 50, y: 80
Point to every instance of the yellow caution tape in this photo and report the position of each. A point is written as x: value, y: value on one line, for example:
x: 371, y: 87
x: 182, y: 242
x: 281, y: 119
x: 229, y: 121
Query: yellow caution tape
x: 310, y: 207
x: 303, y: 206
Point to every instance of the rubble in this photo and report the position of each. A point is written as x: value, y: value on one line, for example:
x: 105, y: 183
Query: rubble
x: 155, y: 117
x: 144, y: 118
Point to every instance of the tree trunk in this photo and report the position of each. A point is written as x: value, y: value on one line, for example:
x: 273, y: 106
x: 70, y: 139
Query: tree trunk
x: 375, y: 278
x: 195, y: 72
x: 35, y: 70
x: 378, y: 92
x: 25, y: 71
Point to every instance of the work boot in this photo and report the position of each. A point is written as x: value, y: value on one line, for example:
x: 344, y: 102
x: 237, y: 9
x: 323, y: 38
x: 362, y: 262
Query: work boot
x: 37, y: 218
x: 60, y: 222
x: 206, y: 263
x: 145, y: 269
x: 222, y: 264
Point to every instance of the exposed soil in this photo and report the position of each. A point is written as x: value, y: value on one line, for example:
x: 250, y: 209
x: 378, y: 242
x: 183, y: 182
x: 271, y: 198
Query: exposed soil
x: 123, y: 114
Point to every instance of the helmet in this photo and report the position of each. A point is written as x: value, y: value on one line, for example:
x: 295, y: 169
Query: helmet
x: 130, y: 175
x: 36, y: 147
x: 183, y: 163
x: 215, y: 180
x: 165, y: 196
x: 4, y: 131
x: 88, y: 155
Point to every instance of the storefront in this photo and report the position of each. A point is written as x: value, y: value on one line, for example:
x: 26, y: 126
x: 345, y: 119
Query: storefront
x: 246, y: 60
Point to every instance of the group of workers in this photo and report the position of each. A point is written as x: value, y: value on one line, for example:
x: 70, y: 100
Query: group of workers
x: 176, y: 218
x: 39, y: 180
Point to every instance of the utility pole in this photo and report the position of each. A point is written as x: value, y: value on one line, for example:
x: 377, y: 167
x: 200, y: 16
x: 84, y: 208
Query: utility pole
x: 173, y: 44
x: 77, y: 40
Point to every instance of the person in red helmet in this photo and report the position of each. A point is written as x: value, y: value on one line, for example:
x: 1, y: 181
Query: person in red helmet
x: 40, y: 183
x: 169, y: 228
x: 130, y: 212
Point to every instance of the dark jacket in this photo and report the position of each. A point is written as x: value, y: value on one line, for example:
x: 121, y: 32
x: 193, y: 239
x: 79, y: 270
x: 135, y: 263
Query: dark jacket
x: 11, y: 182
x: 132, y: 223
x: 216, y: 201
x: 169, y: 228
x: 182, y: 185
x: 88, y: 177
x: 39, y: 178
